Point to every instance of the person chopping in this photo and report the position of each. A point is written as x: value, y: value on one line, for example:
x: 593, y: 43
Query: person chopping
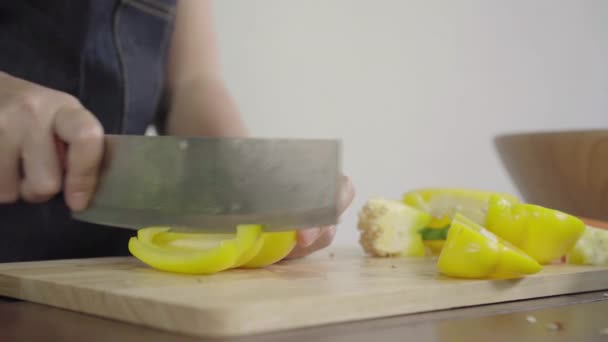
x: 74, y: 70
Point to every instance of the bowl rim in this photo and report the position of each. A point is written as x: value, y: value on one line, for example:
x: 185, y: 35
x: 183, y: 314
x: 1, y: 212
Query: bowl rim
x: 544, y: 133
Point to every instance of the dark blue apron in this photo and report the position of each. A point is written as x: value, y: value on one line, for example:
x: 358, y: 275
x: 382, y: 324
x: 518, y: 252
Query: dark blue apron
x: 111, y: 54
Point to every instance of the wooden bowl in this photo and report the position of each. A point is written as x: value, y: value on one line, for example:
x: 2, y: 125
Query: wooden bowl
x: 566, y: 170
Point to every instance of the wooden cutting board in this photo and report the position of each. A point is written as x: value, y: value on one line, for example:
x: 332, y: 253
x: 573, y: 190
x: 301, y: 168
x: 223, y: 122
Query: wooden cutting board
x: 329, y: 287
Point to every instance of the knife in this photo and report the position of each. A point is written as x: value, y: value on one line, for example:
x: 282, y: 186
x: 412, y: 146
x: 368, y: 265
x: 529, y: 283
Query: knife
x: 210, y: 184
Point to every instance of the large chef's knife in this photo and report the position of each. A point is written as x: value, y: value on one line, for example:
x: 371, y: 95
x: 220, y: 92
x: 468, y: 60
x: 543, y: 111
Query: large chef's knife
x: 214, y: 184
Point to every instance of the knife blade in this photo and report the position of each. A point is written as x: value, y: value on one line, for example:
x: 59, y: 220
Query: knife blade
x: 212, y: 184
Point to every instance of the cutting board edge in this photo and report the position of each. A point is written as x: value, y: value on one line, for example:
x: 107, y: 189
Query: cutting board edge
x: 189, y: 317
x: 392, y: 311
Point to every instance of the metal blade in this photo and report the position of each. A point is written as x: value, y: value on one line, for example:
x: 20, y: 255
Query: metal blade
x: 214, y: 184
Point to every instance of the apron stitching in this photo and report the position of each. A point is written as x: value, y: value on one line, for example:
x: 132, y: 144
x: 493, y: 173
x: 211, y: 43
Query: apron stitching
x: 158, y: 5
x: 144, y: 7
x: 125, y: 105
x: 82, y: 81
x: 165, y: 45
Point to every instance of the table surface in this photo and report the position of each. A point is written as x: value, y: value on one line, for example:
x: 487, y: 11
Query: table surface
x: 577, y: 317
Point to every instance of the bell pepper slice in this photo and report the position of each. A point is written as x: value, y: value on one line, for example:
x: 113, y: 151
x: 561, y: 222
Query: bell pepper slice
x: 274, y: 247
x: 256, y: 242
x: 195, y: 253
x: 249, y: 242
x: 590, y: 249
x: 444, y: 203
x: 545, y: 234
x: 471, y: 251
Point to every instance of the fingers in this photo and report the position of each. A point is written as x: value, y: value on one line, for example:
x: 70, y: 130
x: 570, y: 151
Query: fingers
x: 9, y: 161
x: 42, y: 174
x: 83, y: 134
x: 324, y: 239
x: 308, y: 236
x: 36, y: 124
x: 314, y: 239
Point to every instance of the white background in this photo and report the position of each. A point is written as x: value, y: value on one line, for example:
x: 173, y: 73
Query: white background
x: 416, y: 90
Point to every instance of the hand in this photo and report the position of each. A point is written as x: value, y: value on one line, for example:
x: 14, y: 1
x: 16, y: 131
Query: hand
x: 314, y: 239
x: 33, y: 119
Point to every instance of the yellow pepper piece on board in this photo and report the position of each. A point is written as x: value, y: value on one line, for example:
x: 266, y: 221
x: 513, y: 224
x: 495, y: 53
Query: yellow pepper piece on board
x: 545, y: 234
x: 249, y: 245
x: 274, y: 247
x: 444, y: 203
x: 471, y: 251
x: 252, y: 252
x: 195, y: 253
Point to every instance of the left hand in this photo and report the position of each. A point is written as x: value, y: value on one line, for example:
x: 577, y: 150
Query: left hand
x: 314, y: 239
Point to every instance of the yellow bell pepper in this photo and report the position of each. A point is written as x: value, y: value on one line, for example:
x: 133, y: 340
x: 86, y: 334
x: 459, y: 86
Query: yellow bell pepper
x: 274, y: 247
x: 545, y: 234
x: 471, y: 251
x: 195, y: 253
x: 444, y: 203
x: 188, y: 253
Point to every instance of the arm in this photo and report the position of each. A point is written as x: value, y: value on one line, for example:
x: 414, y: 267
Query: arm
x: 200, y: 104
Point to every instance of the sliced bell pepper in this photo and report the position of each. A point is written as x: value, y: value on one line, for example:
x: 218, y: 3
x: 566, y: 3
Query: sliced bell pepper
x: 444, y: 203
x: 274, y: 247
x: 195, y: 253
x: 545, y: 234
x: 471, y: 251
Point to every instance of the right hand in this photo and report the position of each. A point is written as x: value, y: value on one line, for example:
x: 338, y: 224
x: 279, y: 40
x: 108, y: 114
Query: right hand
x: 32, y: 119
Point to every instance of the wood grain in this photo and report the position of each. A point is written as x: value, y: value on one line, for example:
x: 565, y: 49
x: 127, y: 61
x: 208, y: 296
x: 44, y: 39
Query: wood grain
x: 567, y: 171
x: 300, y: 293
